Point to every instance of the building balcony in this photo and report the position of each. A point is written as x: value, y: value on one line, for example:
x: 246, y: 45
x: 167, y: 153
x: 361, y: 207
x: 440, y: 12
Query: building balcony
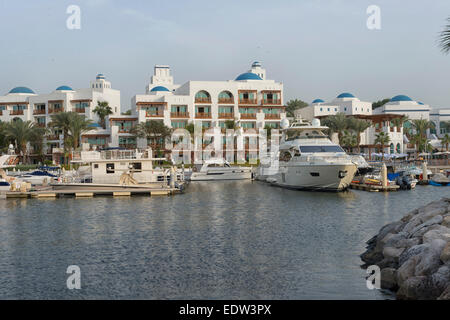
x: 80, y: 110
x: 226, y: 100
x: 247, y: 101
x: 53, y: 110
x: 154, y: 115
x: 39, y: 111
x: 179, y: 114
x: 271, y: 101
x: 127, y: 146
x: 16, y: 112
x: 272, y: 116
x: 248, y: 115
x: 124, y: 131
x: 202, y: 100
x: 203, y: 115
x: 226, y: 115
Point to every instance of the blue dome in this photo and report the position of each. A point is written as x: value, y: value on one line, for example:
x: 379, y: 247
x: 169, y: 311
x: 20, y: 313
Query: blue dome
x: 345, y: 95
x: 318, y: 101
x: 401, y: 97
x: 100, y: 76
x: 248, y: 76
x: 256, y: 64
x: 159, y: 88
x: 64, y: 88
x: 421, y: 103
x: 21, y: 90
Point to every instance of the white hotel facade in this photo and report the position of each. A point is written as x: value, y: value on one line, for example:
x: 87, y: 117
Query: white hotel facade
x: 250, y: 99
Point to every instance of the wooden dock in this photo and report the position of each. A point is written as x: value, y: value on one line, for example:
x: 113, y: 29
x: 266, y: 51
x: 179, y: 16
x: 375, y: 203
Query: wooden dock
x: 76, y: 193
x: 373, y: 188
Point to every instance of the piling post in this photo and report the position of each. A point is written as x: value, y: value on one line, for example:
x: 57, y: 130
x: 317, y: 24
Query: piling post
x: 424, y: 172
x: 384, y: 179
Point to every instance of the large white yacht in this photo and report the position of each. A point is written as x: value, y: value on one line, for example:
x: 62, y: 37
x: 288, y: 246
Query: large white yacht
x: 308, y: 159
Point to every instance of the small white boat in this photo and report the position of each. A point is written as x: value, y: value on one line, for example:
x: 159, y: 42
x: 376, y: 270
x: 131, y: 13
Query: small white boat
x: 219, y: 169
x: 38, y: 177
x: 4, y: 185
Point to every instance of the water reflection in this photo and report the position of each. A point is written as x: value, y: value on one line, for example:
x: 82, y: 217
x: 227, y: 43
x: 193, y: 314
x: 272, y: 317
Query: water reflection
x: 221, y: 240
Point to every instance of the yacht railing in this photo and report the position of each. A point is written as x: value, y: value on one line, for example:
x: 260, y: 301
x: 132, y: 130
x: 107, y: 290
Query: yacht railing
x: 87, y: 156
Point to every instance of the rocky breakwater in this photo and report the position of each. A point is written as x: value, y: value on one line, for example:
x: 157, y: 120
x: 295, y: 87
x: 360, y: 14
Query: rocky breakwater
x: 414, y: 253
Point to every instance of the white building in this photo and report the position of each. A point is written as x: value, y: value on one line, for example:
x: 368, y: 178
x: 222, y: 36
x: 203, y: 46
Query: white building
x: 23, y: 103
x: 345, y: 103
x: 350, y: 105
x: 251, y: 100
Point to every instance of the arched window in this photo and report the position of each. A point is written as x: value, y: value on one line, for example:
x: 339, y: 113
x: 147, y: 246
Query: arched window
x: 391, y: 148
x: 226, y: 97
x: 202, y: 97
x: 398, y: 148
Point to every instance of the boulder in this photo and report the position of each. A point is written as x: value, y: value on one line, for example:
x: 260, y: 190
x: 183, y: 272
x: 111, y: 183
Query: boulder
x: 438, y: 232
x: 392, y: 253
x: 410, y: 289
x: 430, y: 258
x: 388, y: 278
x: 413, y: 251
x: 445, y: 254
x: 407, y: 270
x: 389, y: 228
x: 420, y: 287
x: 441, y: 278
x: 446, y: 221
x: 434, y: 220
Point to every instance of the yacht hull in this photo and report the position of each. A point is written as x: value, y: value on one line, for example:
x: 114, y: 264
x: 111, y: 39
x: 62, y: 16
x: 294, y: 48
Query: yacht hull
x: 329, y: 177
x: 213, y: 176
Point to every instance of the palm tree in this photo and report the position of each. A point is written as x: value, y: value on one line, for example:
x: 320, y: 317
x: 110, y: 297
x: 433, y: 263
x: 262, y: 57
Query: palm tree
x: 398, y: 122
x: 21, y: 132
x: 444, y: 38
x: 78, y: 125
x: 3, y: 138
x: 382, y: 139
x: 61, y: 121
x: 37, y: 142
x: 445, y: 141
x: 102, y: 110
x: 152, y: 130
x: 337, y: 123
x: 349, y: 140
x: 293, y: 105
x: 358, y: 126
x: 422, y: 125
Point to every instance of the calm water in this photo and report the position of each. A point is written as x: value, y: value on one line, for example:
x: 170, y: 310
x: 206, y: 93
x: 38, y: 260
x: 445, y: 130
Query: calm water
x: 221, y: 240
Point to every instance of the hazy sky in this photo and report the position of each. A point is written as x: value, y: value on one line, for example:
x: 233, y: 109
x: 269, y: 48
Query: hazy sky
x: 317, y: 48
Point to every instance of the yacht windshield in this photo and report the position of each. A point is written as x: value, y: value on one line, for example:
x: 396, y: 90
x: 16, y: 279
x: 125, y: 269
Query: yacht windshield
x: 312, y: 149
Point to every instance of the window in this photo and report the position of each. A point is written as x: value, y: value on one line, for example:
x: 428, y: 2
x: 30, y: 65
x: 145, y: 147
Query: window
x: 136, y: 166
x: 311, y: 149
x: 109, y: 168
x: 96, y: 166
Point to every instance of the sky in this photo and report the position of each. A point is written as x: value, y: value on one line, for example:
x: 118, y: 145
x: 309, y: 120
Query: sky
x: 317, y: 48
